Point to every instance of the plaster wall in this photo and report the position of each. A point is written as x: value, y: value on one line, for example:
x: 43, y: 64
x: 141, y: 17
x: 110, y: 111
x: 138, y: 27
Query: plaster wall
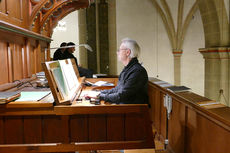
x: 70, y: 35
x: 139, y: 20
x: 192, y: 62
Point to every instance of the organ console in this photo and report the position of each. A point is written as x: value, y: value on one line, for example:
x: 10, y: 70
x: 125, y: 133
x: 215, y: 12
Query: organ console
x: 69, y: 125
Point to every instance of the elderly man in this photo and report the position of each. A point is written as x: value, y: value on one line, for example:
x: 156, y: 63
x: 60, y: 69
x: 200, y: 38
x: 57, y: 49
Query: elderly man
x: 133, y: 80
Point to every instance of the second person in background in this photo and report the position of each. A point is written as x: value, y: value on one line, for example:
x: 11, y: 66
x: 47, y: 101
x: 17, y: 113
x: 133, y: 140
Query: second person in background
x: 69, y: 54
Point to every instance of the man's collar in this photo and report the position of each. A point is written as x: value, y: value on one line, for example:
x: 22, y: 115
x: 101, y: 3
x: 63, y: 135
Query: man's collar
x: 133, y: 61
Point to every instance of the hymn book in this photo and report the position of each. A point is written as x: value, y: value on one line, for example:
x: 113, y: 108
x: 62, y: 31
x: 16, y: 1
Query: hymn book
x: 178, y: 89
x: 6, y: 97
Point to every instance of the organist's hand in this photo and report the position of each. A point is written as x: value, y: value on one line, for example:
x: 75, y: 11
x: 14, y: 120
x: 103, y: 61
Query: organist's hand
x: 92, y: 94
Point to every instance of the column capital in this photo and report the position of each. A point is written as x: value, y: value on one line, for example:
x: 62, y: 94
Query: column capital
x: 177, y: 52
x: 215, y: 53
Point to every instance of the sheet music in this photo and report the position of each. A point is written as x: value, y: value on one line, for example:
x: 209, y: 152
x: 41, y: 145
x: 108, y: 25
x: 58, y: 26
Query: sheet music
x: 69, y: 74
x: 58, y: 77
x: 70, y: 77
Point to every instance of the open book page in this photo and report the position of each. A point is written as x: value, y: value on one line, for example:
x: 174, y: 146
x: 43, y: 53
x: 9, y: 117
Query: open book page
x: 32, y: 95
x: 59, y: 79
x: 69, y: 77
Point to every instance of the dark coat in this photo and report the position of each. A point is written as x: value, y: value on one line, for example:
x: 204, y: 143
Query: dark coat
x: 58, y: 55
x: 82, y: 71
x: 70, y: 55
x: 132, y: 86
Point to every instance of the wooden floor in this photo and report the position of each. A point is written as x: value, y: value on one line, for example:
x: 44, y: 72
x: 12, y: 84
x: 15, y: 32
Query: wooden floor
x: 159, y: 149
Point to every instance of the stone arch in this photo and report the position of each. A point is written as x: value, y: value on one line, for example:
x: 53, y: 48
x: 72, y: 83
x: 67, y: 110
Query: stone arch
x: 215, y: 23
x: 216, y: 52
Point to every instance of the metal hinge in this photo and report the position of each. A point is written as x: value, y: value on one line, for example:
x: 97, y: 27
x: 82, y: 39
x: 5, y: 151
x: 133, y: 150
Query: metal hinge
x: 166, y: 141
x: 168, y: 104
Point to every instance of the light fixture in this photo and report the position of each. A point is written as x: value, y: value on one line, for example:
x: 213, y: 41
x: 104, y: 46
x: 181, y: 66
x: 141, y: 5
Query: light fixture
x: 61, y: 26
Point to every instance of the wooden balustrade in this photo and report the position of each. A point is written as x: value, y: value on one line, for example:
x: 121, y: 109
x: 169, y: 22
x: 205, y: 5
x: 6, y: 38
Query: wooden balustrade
x: 191, y: 128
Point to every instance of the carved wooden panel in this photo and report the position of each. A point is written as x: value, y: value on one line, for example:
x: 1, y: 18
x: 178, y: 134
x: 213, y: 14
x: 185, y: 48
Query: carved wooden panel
x: 52, y: 129
x: 97, y: 128
x: 1, y: 130
x: 16, y: 51
x: 115, y: 122
x: 137, y: 121
x: 176, y: 126
x: 14, y: 9
x: 33, y: 128
x: 15, y: 12
x: 20, y: 58
x: 4, y: 66
x: 3, y: 6
x: 13, y: 135
x: 32, y: 60
x: 80, y: 123
x: 122, y: 130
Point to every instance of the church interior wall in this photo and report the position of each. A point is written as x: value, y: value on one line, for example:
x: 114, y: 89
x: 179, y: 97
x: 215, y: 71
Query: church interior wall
x: 192, y: 64
x: 146, y: 26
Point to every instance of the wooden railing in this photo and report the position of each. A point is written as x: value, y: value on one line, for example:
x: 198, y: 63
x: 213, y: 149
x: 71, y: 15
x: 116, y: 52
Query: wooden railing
x: 191, y: 127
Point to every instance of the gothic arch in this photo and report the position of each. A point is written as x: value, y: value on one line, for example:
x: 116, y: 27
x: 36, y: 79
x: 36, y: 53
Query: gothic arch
x: 215, y: 23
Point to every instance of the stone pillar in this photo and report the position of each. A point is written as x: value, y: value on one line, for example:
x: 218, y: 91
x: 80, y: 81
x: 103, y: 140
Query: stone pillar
x: 83, y: 60
x: 217, y: 74
x: 112, y: 37
x: 177, y: 66
x: 103, y: 37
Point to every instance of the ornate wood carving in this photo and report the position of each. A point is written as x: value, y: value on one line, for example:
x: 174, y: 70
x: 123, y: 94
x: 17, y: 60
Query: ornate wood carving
x: 25, y: 28
x: 46, y: 13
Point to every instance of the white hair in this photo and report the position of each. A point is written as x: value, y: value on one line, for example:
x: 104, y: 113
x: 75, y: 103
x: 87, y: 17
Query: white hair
x: 132, y: 45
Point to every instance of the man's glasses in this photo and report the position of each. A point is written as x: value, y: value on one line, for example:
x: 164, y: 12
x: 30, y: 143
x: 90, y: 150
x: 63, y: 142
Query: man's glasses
x: 121, y: 49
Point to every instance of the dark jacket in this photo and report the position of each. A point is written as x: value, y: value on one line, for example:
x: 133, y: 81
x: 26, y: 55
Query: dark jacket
x: 132, y: 86
x: 70, y: 55
x: 58, y: 55
x: 82, y: 71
